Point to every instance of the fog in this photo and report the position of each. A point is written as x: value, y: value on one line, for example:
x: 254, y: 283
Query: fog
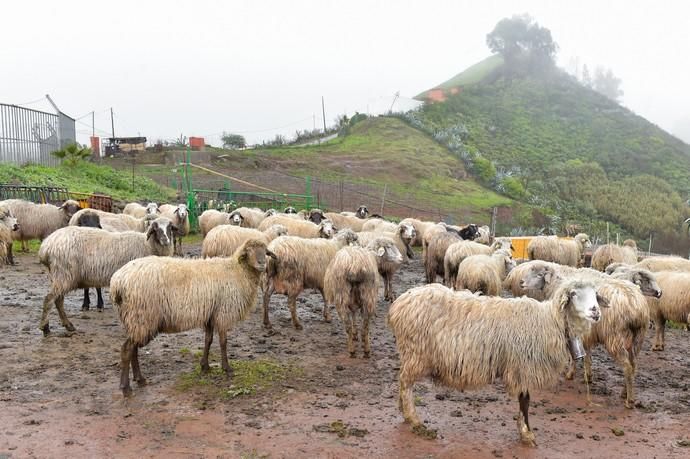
x: 261, y: 68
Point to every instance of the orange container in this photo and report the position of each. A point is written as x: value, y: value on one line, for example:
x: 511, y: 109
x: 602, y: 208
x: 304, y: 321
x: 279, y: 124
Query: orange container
x: 197, y: 143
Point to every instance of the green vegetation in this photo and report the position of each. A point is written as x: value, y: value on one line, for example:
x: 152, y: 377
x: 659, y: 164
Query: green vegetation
x: 386, y: 151
x: 85, y: 177
x: 571, y: 153
x: 249, y: 376
x: 72, y: 154
x: 473, y: 74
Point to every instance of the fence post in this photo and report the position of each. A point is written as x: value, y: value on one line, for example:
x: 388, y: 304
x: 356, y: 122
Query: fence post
x: 308, y: 191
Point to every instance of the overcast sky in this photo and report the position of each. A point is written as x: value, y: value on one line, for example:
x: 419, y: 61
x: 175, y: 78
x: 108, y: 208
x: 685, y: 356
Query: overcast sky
x: 260, y: 68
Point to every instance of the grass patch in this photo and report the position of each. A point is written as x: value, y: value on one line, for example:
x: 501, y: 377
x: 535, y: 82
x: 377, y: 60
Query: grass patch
x: 249, y: 377
x: 87, y: 177
x: 34, y: 245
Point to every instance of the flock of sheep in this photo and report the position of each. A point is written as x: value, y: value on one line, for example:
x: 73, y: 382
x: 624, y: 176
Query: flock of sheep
x: 464, y: 333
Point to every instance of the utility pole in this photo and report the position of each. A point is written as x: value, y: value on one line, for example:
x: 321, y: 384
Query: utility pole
x: 112, y: 122
x: 323, y: 111
x: 93, y: 124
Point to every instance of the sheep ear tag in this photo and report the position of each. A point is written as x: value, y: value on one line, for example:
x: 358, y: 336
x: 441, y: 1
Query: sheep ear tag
x: 380, y: 251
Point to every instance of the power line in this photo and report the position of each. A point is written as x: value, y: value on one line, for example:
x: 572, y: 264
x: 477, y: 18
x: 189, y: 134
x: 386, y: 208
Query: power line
x: 33, y: 101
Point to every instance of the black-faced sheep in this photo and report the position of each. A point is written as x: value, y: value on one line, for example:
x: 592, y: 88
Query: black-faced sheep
x: 37, y: 221
x: 562, y: 251
x: 90, y: 220
x: 607, y: 254
x: 79, y: 257
x: 166, y: 295
x: 299, y: 265
x: 465, y: 341
x: 351, y: 284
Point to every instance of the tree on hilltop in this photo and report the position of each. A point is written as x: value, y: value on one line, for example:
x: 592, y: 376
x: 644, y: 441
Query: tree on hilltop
x: 520, y: 40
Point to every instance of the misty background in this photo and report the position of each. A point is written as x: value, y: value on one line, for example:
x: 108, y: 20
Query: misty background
x: 260, y: 68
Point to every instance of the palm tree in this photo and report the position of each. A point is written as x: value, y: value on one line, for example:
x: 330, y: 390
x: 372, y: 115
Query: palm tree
x: 72, y: 154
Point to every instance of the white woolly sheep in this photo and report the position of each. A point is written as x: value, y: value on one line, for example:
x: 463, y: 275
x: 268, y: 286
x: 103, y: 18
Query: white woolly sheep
x: 247, y: 218
x: 622, y: 328
x: 562, y: 251
x: 116, y: 222
x: 301, y: 228
x: 8, y: 224
x: 484, y: 235
x: 136, y: 210
x: 37, y: 221
x: 342, y: 221
x: 611, y: 253
x: 484, y: 273
x: 179, y: 216
x: 300, y: 265
x: 435, y: 253
x: 402, y: 237
x: 351, y: 284
x: 224, y: 240
x: 653, y: 264
x: 674, y: 303
x: 80, y: 257
x: 420, y: 227
x: 165, y: 295
x: 211, y: 218
x: 379, y: 224
x: 465, y: 341
x: 388, y: 261
x: 460, y: 250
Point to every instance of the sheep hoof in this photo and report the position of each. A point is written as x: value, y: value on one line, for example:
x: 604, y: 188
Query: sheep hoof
x: 69, y: 327
x: 268, y: 326
x: 424, y: 432
x: 528, y: 439
x: 45, y: 329
x: 127, y: 391
x: 570, y: 375
x: 327, y: 320
x: 630, y: 404
x: 205, y: 368
x: 84, y: 307
x: 367, y: 354
x: 142, y: 381
x: 298, y: 326
x: 353, y: 355
x: 658, y: 347
x: 99, y: 308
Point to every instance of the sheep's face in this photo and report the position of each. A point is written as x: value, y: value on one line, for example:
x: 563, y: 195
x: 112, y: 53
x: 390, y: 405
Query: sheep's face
x: 326, y: 229
x: 236, y: 219
x: 389, y: 253
x: 254, y: 253
x: 616, y: 268
x: 8, y: 220
x: 630, y: 243
x: 182, y: 211
x: 502, y: 243
x: 70, y: 207
x: 583, y: 240
x: 407, y: 232
x: 470, y: 232
x: 538, y: 278
x: 290, y: 210
x: 152, y: 208
x: 270, y: 212
x: 647, y: 283
x: 582, y: 301
x: 510, y: 264
x: 362, y: 212
x: 347, y: 236
x: 161, y: 229
x: 316, y: 216
x: 279, y: 230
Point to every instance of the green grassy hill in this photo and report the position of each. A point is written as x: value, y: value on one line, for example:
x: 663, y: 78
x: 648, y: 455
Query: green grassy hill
x: 471, y: 75
x: 578, y: 156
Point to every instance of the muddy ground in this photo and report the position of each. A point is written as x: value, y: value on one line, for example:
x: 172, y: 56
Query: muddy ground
x: 59, y: 395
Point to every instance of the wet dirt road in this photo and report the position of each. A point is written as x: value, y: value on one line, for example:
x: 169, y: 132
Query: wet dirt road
x: 59, y: 395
